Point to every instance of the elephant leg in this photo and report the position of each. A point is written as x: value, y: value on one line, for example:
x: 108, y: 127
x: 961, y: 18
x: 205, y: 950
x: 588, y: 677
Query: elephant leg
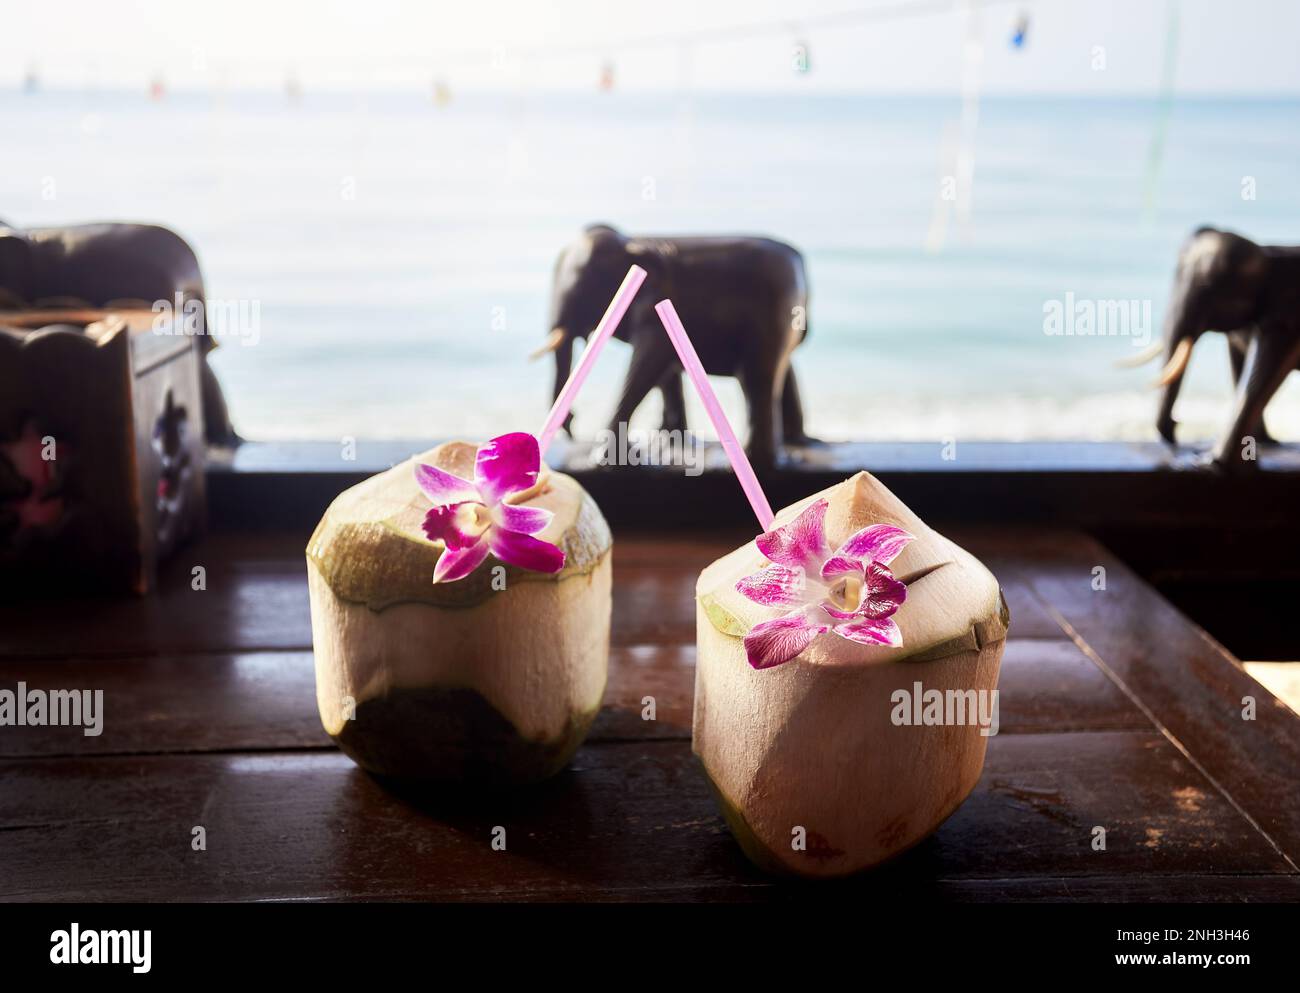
x: 763, y: 397
x: 670, y: 387
x: 1237, y: 359
x: 563, y: 366
x: 792, y: 412
x: 217, y: 429
x: 652, y: 356
x: 1270, y: 358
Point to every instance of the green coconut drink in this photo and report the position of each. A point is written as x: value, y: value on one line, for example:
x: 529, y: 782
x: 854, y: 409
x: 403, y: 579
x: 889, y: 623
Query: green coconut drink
x: 824, y: 759
x: 491, y: 675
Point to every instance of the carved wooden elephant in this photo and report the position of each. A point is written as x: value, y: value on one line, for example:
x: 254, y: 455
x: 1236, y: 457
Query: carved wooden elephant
x: 1250, y: 293
x: 744, y: 301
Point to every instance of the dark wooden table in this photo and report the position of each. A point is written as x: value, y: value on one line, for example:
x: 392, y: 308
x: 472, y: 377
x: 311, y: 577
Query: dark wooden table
x: 1116, y: 712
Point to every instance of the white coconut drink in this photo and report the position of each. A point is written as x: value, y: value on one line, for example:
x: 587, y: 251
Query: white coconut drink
x: 834, y: 654
x: 460, y: 609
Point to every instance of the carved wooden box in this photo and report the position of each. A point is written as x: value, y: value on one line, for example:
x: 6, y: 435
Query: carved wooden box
x: 101, y: 449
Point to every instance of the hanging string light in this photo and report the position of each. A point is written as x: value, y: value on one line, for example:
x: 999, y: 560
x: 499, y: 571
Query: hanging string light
x: 800, y: 59
x: 1020, y: 30
x: 1156, y: 151
x: 972, y: 62
x: 607, y: 52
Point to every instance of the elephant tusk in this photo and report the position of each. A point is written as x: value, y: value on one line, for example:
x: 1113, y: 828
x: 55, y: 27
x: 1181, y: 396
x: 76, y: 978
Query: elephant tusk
x: 1142, y: 357
x: 1177, y: 363
x: 551, y: 343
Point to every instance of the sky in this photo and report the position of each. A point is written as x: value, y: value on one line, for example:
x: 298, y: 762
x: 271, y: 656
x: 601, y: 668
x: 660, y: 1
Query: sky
x: 1224, y: 46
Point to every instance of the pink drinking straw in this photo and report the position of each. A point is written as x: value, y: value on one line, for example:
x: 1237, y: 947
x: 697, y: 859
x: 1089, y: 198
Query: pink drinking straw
x: 595, y: 342
x: 739, y: 460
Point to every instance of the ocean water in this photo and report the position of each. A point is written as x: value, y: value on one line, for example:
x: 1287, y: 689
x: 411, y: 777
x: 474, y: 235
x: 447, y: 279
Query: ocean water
x: 399, y: 254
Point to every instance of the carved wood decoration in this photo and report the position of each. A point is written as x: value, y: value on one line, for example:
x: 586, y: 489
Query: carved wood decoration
x: 101, y: 456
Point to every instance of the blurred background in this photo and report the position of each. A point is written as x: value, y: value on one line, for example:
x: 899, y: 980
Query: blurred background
x: 386, y: 187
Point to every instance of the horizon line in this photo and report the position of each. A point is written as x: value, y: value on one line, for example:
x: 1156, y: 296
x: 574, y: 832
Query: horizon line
x: 304, y: 92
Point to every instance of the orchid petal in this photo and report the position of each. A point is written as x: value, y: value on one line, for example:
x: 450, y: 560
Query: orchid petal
x: 525, y: 520
x: 525, y: 551
x: 840, y: 565
x: 447, y: 523
x: 871, y: 631
x: 799, y: 543
x: 457, y: 563
x: 777, y: 641
x: 881, y: 542
x: 884, y: 593
x: 775, y: 586
x: 442, y: 487
x: 507, y: 464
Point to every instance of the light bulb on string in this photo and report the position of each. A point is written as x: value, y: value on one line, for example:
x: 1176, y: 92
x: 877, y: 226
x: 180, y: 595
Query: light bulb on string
x: 1020, y: 31
x: 801, y: 56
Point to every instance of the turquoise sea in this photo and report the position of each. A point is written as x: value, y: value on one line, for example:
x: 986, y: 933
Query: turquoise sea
x: 400, y: 253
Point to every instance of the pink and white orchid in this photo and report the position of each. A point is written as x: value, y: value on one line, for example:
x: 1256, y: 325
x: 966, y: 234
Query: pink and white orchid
x: 473, y: 518
x: 850, y: 591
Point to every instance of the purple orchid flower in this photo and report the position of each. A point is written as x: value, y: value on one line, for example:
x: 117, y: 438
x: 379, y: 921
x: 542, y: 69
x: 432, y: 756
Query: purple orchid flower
x: 851, y: 591
x: 473, y: 518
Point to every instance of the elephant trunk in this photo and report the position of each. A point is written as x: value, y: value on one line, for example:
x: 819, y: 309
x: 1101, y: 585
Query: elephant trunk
x: 1179, y: 339
x: 563, y: 366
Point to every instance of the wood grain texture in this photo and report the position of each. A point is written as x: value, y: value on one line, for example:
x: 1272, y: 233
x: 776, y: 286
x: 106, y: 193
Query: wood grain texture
x: 1190, y: 685
x: 1116, y: 712
x: 260, y: 701
x: 253, y: 701
x: 626, y: 820
x: 255, y: 599
x: 1052, y: 686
